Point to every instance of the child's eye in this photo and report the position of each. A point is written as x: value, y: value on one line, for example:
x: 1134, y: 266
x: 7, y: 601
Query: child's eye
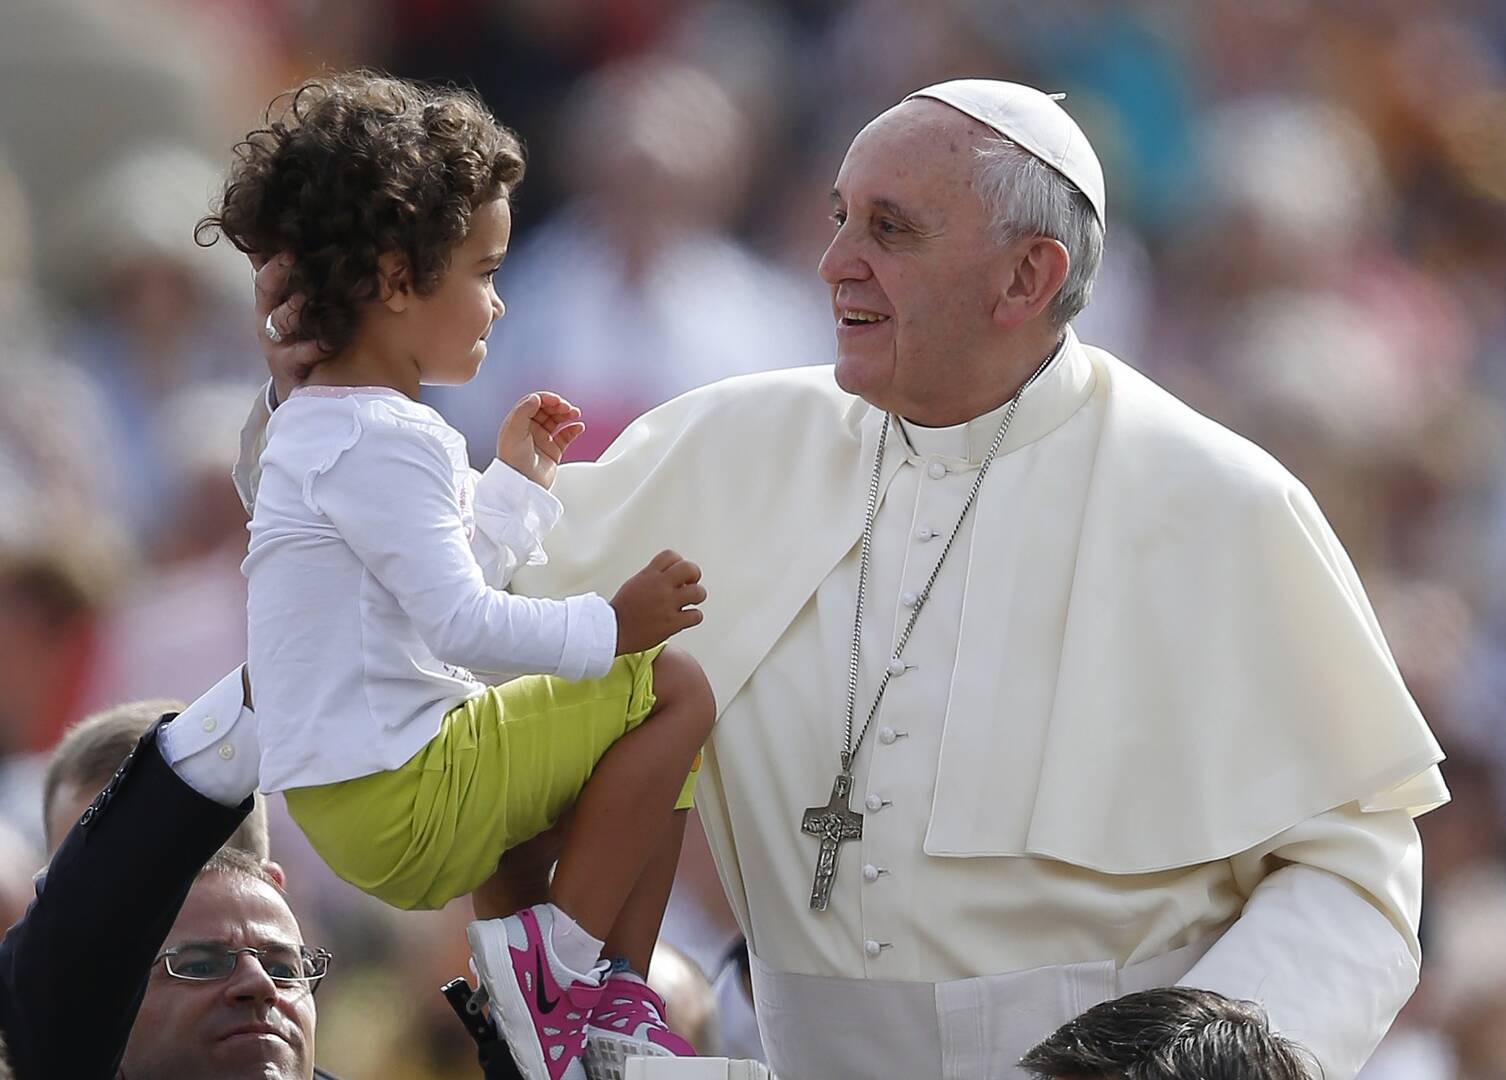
x: 840, y: 217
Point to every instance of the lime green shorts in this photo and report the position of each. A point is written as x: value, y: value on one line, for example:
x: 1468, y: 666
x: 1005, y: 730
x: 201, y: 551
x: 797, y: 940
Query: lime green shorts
x: 503, y: 768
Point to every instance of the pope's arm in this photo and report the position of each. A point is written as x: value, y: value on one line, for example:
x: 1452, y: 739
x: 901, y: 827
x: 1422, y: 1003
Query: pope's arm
x: 1327, y: 941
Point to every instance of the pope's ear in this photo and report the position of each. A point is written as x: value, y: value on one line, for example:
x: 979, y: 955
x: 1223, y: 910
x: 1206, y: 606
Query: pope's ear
x: 394, y: 281
x: 1037, y: 270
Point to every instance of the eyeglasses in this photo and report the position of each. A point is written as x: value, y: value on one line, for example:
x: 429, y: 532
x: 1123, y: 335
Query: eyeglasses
x: 289, y: 965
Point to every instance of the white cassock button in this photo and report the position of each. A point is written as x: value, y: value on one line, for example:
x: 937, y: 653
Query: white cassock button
x: 873, y: 804
x: 871, y: 947
x: 909, y: 599
x: 936, y: 469
x: 924, y: 533
x: 887, y: 735
x: 227, y: 751
x: 870, y: 873
x: 896, y: 666
x: 209, y: 724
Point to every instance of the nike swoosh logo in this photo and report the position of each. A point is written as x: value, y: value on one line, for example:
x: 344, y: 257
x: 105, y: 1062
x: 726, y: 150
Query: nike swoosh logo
x: 544, y: 1004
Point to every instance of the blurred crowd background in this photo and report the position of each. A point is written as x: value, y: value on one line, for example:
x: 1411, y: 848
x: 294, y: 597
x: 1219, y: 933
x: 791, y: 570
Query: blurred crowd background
x: 1307, y: 240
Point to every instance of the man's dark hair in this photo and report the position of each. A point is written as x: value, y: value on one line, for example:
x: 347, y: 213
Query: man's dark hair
x: 353, y: 166
x: 1174, y: 1033
x: 92, y: 749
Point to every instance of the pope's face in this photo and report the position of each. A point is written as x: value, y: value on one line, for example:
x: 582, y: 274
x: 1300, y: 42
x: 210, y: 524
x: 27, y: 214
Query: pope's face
x: 914, y: 275
x: 240, y: 1028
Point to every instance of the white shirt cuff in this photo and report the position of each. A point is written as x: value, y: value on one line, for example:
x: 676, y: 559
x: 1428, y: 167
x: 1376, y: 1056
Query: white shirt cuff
x: 212, y: 744
x: 518, y: 513
x: 590, y: 637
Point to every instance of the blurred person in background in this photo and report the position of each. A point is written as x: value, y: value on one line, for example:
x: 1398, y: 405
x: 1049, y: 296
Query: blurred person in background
x: 156, y: 316
x: 635, y: 290
x: 49, y: 611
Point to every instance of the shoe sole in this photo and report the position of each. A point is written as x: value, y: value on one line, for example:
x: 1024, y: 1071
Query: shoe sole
x: 606, y: 1055
x: 509, y: 1008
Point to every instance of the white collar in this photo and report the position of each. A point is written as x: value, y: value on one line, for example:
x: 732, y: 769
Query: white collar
x: 1059, y: 392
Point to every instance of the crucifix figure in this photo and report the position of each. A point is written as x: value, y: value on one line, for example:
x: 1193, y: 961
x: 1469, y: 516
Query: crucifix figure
x: 834, y: 823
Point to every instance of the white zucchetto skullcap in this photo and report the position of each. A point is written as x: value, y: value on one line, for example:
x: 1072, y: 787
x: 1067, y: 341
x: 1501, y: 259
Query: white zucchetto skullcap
x: 1034, y: 121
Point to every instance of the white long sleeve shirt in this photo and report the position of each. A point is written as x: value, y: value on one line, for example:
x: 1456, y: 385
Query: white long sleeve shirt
x: 375, y: 574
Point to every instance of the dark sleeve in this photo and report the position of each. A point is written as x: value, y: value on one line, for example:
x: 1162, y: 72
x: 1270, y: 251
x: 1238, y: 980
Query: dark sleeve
x: 73, y: 971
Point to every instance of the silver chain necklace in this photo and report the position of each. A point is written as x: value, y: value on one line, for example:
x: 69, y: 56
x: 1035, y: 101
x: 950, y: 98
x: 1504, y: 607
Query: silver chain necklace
x: 836, y: 822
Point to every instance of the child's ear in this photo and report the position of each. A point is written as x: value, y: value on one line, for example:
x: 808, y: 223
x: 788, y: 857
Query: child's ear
x: 394, y: 281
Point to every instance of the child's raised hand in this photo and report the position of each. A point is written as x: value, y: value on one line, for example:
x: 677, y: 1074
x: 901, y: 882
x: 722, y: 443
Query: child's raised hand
x: 536, y: 433
x: 658, y: 602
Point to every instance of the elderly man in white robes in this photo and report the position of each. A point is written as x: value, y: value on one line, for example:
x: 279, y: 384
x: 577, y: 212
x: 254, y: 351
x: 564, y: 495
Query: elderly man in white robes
x: 1037, y: 687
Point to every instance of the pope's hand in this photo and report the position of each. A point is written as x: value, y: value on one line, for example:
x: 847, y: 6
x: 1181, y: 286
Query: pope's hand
x: 289, y: 358
x: 658, y: 602
x: 536, y: 433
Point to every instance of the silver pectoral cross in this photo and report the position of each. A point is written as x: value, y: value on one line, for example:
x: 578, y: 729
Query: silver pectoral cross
x: 834, y: 823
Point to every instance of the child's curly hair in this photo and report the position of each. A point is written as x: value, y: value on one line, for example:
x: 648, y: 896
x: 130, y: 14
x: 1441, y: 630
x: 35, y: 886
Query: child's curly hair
x: 357, y: 165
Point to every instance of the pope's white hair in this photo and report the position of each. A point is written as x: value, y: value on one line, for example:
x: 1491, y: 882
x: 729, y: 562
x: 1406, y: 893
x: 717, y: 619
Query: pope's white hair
x: 1027, y: 197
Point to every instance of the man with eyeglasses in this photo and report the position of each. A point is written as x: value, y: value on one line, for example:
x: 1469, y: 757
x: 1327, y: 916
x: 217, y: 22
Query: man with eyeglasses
x: 231, y: 994
x: 74, y: 969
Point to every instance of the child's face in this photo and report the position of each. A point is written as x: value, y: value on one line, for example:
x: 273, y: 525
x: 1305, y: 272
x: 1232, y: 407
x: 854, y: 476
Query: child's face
x: 450, y: 325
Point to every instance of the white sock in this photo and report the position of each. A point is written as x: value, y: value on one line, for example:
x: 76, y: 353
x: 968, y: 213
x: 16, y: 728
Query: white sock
x: 576, y: 950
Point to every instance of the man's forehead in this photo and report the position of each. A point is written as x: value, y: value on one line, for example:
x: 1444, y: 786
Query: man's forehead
x: 917, y: 146
x: 236, y: 909
x: 921, y: 121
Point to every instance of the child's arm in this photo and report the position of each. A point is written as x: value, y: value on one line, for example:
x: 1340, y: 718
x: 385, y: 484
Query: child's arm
x: 391, y: 496
x: 513, y: 515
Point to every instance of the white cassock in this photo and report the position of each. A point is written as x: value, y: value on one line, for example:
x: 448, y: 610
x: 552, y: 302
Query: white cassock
x: 1150, y: 732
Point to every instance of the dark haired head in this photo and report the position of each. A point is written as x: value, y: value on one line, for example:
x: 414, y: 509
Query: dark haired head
x: 354, y: 166
x: 1174, y: 1033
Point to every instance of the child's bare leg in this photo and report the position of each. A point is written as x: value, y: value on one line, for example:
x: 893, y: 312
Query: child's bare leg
x: 522, y: 877
x: 637, y: 927
x: 622, y: 817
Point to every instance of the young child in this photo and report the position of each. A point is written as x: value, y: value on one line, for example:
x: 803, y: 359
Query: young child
x: 376, y: 567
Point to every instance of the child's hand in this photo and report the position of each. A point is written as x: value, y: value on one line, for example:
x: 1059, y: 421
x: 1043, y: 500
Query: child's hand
x: 657, y: 602
x: 536, y: 433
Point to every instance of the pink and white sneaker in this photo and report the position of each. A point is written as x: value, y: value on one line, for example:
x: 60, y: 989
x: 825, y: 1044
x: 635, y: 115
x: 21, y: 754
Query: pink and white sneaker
x: 628, y: 1022
x: 541, y: 1008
